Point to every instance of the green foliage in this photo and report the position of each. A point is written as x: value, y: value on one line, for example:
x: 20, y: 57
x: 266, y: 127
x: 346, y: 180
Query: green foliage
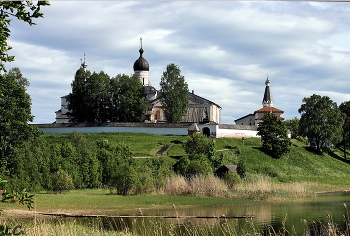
x: 21, y: 197
x: 198, y: 143
x: 200, y: 157
x: 274, y: 135
x: 15, y: 113
x: 131, y: 99
x: 241, y: 169
x: 293, y: 126
x: 161, y: 168
x: 23, y: 10
x: 174, y: 93
x: 344, y: 107
x: 321, y: 121
x: 144, y: 181
x: 232, y: 179
x: 124, y: 179
x: 96, y: 97
x: 61, y: 182
x: 302, y: 139
x: 199, y: 165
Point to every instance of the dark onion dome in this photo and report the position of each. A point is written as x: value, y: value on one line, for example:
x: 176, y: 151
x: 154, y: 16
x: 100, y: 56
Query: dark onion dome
x: 141, y: 63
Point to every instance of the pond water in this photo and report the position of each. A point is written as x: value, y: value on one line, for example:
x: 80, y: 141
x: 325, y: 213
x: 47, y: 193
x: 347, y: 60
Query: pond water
x: 303, y: 215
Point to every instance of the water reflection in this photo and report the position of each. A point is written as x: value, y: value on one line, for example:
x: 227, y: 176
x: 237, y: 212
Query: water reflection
x: 309, y: 215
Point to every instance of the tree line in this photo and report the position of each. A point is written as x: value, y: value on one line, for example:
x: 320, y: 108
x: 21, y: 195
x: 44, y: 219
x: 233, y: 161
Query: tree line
x: 322, y: 125
x: 96, y: 97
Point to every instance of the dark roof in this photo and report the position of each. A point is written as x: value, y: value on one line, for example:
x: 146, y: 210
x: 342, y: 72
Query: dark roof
x: 195, y: 99
x: 224, y: 169
x: 244, y: 117
x: 141, y: 63
x: 267, y: 94
x: 241, y: 127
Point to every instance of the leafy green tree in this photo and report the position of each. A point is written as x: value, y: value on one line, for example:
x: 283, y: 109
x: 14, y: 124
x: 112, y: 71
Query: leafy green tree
x: 345, y: 108
x: 241, y: 169
x: 131, y: 95
x: 174, y: 93
x: 124, y: 178
x: 15, y: 113
x: 23, y: 10
x: 200, y: 157
x: 293, y: 126
x: 274, y: 135
x: 61, y: 181
x: 199, y: 144
x: 22, y: 81
x: 143, y: 181
x: 77, y: 99
x: 321, y: 121
x: 98, y: 98
x: 232, y: 179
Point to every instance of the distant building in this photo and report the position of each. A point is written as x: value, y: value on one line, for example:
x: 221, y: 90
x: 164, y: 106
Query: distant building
x: 200, y: 110
x: 268, y: 107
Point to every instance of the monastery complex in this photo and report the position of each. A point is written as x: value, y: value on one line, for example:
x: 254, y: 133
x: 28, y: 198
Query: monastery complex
x: 202, y: 115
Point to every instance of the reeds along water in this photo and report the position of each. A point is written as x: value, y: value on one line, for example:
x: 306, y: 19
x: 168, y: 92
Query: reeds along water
x: 257, y: 187
x: 176, y: 227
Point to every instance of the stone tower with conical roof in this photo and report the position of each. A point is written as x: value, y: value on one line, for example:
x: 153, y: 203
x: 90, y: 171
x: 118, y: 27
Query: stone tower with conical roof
x: 141, y: 68
x: 267, y: 100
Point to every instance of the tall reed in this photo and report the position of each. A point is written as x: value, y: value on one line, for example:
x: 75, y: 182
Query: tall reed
x: 198, y: 185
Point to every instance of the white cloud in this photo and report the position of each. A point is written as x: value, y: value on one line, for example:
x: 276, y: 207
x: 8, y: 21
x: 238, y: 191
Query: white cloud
x: 225, y: 49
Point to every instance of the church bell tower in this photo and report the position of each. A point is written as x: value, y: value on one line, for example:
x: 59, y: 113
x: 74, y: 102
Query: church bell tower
x: 141, y: 68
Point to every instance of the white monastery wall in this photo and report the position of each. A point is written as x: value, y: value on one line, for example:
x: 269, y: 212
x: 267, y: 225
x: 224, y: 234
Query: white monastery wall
x: 236, y: 131
x: 100, y: 129
x: 211, y: 129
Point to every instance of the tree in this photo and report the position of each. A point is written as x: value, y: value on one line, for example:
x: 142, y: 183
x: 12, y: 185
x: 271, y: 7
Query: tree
x: 293, y: 126
x: 15, y: 113
x: 344, y: 107
x: 22, y: 10
x: 321, y: 121
x: 198, y: 144
x: 200, y: 156
x: 274, y: 135
x: 96, y: 97
x: 174, y: 93
x: 22, y: 81
x: 131, y: 96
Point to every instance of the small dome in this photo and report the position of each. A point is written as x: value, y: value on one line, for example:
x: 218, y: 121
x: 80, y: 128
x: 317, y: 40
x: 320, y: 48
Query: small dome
x: 141, y: 63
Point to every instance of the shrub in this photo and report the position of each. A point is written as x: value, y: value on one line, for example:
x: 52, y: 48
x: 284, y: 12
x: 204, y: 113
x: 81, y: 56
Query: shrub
x: 61, y: 181
x: 144, y: 181
x: 241, y: 169
x: 232, y: 179
x: 124, y: 179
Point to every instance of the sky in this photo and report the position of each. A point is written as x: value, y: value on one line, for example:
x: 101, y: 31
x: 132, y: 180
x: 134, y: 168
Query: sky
x: 225, y: 49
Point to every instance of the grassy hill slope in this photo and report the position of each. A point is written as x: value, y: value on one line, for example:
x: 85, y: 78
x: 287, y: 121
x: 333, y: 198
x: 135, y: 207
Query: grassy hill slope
x: 300, y: 165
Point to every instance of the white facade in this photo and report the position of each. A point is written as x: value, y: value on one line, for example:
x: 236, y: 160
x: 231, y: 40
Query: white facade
x: 143, y: 77
x: 61, y: 114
